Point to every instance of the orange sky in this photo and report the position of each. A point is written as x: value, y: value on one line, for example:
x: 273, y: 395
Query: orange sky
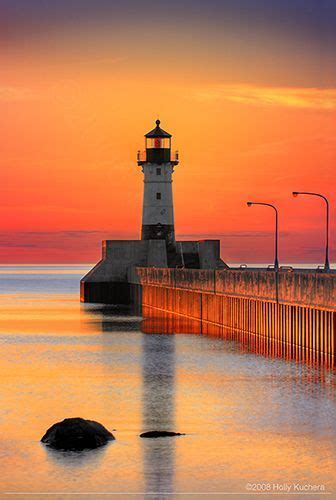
x: 251, y: 112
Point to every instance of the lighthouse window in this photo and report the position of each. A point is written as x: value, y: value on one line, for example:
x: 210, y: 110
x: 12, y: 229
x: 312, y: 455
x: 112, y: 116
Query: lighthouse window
x: 158, y: 196
x: 158, y: 171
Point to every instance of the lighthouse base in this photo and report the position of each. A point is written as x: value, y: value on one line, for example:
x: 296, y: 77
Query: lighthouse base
x: 109, y: 281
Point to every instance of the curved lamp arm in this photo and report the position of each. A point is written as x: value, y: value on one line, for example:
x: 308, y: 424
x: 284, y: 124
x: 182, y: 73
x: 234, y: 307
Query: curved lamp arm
x: 297, y: 193
x: 276, y: 260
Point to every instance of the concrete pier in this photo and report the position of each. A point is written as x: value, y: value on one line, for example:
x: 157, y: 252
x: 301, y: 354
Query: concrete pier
x: 109, y: 281
x: 297, y: 311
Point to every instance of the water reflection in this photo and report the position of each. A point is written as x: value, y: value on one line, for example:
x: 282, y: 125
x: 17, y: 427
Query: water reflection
x: 158, y: 379
x: 158, y: 387
x: 169, y: 323
x: 62, y: 458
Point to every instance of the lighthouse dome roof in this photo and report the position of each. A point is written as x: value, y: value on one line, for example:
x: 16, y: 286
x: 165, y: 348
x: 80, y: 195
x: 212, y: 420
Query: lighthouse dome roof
x: 157, y: 131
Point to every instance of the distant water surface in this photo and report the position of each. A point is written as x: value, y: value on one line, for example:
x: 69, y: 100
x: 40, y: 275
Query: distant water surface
x: 249, y: 419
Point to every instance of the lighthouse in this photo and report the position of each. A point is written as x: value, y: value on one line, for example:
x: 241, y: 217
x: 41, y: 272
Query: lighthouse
x: 158, y: 162
x: 114, y: 280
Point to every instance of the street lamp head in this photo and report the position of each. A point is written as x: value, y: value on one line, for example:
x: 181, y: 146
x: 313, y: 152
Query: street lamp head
x: 249, y: 203
x: 295, y: 194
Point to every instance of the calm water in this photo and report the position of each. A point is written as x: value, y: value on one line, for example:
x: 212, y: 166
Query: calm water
x: 248, y: 418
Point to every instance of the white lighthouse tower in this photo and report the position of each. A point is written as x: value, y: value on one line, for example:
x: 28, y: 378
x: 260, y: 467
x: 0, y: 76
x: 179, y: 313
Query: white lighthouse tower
x: 158, y: 163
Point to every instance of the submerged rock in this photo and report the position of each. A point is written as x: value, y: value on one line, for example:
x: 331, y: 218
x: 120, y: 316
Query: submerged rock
x: 76, y: 434
x: 157, y: 434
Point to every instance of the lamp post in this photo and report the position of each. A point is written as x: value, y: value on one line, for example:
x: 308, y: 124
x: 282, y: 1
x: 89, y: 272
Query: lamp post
x: 276, y: 261
x: 326, y: 261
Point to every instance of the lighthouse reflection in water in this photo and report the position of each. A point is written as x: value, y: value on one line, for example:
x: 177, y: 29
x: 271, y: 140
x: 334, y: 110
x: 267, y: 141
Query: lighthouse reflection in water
x: 158, y: 392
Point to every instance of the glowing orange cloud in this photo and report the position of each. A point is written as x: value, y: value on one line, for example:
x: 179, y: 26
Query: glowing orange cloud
x: 313, y: 98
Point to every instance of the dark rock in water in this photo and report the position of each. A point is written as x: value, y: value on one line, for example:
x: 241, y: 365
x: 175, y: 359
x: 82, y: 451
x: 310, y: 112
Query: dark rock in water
x: 76, y: 434
x: 157, y: 434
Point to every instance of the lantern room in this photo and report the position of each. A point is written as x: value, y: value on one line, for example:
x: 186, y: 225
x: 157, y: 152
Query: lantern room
x: 158, y: 147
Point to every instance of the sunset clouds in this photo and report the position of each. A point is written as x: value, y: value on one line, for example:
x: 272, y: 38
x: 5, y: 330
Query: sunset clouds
x: 246, y: 87
x: 310, y: 98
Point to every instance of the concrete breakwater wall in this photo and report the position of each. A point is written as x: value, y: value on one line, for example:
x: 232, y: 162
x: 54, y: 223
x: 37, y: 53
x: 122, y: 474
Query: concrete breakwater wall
x: 293, y: 308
